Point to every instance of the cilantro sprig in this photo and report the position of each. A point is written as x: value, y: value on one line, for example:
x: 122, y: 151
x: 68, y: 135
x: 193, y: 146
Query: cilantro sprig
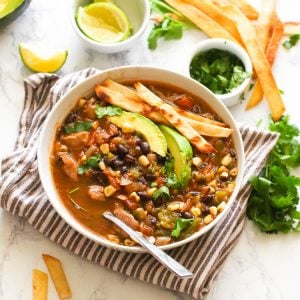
x: 91, y: 162
x: 169, y: 23
x: 78, y: 126
x: 274, y: 199
x: 292, y: 41
x: 181, y: 224
x: 107, y: 111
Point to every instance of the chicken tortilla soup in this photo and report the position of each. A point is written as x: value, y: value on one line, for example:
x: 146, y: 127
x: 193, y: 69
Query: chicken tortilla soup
x: 158, y: 158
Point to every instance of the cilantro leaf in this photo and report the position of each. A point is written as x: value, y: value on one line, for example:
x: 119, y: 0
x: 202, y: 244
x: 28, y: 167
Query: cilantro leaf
x: 291, y: 41
x: 171, y: 179
x: 78, y: 126
x: 162, y: 192
x: 107, y: 111
x: 274, y: 199
x: 91, y: 162
x: 180, y: 225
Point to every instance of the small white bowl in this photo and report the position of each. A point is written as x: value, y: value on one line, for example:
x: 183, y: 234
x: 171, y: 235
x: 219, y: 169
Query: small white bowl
x: 121, y: 74
x: 233, y: 97
x: 138, y: 13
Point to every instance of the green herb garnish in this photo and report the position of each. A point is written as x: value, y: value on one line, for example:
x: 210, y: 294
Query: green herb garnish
x: 91, y: 162
x: 291, y: 41
x: 274, y: 199
x: 180, y: 225
x: 162, y: 192
x: 107, y: 111
x: 78, y: 126
x: 170, y: 25
x: 218, y: 70
x: 171, y: 179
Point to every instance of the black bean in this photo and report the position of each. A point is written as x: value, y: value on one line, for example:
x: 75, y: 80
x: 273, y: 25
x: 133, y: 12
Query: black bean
x: 145, y: 147
x: 187, y: 215
x: 124, y: 169
x: 150, y: 177
x: 207, y: 198
x: 116, y: 163
x: 129, y: 160
x: 194, y: 193
x: 72, y: 117
x: 143, y: 196
x: 160, y: 159
x: 158, y: 201
x: 152, y: 219
x: 122, y: 150
x: 100, y: 177
x: 142, y: 180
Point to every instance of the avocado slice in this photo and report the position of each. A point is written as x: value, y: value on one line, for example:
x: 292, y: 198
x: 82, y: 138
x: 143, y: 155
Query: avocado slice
x: 11, y: 9
x: 182, y: 152
x: 146, y: 128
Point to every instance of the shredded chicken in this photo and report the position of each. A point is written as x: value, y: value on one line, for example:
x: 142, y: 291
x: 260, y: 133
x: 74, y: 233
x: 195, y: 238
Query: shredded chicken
x: 77, y: 139
x: 70, y: 165
x: 96, y: 192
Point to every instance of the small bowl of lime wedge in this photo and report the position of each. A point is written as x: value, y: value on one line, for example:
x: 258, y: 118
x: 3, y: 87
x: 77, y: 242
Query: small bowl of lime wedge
x: 110, y: 26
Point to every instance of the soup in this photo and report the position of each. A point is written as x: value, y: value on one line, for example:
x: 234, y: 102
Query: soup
x: 153, y: 177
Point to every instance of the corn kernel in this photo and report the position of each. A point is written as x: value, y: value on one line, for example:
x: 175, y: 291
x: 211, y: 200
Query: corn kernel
x: 95, y: 124
x: 197, y: 161
x: 151, y: 191
x: 195, y: 211
x: 233, y: 172
x: 134, y: 196
x: 104, y: 148
x: 81, y: 102
x: 176, y: 205
x: 143, y: 161
x: 208, y: 219
x: 224, y: 176
x: 83, y: 158
x: 226, y: 161
x: 213, y: 183
x: 221, y: 206
x: 63, y: 148
x: 213, y: 211
x: 102, y: 165
x: 109, y: 191
x: 222, y: 169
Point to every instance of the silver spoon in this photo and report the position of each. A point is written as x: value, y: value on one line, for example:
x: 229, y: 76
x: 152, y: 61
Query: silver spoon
x: 160, y: 255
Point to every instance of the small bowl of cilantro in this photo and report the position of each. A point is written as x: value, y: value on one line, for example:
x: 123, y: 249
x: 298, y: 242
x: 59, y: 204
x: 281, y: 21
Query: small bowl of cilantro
x: 222, y: 66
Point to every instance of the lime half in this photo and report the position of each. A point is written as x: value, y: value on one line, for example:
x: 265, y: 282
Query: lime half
x: 103, y: 22
x: 42, y: 60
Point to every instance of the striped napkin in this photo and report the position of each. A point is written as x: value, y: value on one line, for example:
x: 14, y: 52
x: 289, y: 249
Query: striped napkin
x: 21, y: 194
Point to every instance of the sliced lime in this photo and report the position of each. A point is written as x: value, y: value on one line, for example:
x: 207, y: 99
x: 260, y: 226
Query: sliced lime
x: 103, y: 22
x: 42, y: 60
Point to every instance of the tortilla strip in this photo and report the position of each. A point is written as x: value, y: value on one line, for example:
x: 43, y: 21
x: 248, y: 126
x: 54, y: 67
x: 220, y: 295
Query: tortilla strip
x: 264, y: 22
x: 291, y: 28
x: 174, y: 118
x: 144, y: 109
x: 201, y: 20
x: 131, y: 94
x: 272, y: 48
x: 39, y: 285
x: 213, y: 11
x: 259, y: 61
x: 58, y: 276
x: 248, y: 10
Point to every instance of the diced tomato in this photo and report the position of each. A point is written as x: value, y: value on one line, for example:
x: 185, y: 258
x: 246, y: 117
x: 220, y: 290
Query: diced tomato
x: 185, y: 102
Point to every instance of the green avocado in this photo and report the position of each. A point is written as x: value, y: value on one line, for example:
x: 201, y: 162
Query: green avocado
x: 182, y: 152
x: 11, y: 9
x: 145, y: 127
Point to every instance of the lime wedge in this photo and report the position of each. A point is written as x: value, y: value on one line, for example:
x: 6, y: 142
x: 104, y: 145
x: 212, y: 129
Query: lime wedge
x: 103, y: 22
x: 42, y: 60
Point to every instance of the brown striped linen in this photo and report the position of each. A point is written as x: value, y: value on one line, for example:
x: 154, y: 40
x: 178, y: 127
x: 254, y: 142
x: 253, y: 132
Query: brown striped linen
x: 21, y: 194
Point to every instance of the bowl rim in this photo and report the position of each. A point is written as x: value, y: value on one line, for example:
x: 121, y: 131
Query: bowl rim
x: 219, y: 43
x: 80, y: 227
x: 108, y: 46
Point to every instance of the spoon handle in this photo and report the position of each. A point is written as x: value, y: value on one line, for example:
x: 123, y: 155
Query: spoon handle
x: 160, y: 255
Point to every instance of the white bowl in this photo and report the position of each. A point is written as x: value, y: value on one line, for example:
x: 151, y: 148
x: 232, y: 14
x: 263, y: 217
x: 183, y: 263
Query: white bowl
x: 233, y: 97
x: 137, y: 11
x: 86, y: 88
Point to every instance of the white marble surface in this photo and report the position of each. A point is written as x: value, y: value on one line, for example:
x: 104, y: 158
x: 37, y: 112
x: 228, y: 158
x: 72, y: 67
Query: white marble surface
x: 260, y: 266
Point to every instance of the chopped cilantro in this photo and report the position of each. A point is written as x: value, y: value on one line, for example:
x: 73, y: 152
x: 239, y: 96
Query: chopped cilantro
x: 291, y: 41
x: 219, y: 70
x: 107, y: 111
x: 281, y: 92
x: 170, y: 25
x: 77, y: 127
x: 180, y: 225
x: 274, y: 199
x: 162, y: 192
x: 171, y: 179
x: 91, y: 162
